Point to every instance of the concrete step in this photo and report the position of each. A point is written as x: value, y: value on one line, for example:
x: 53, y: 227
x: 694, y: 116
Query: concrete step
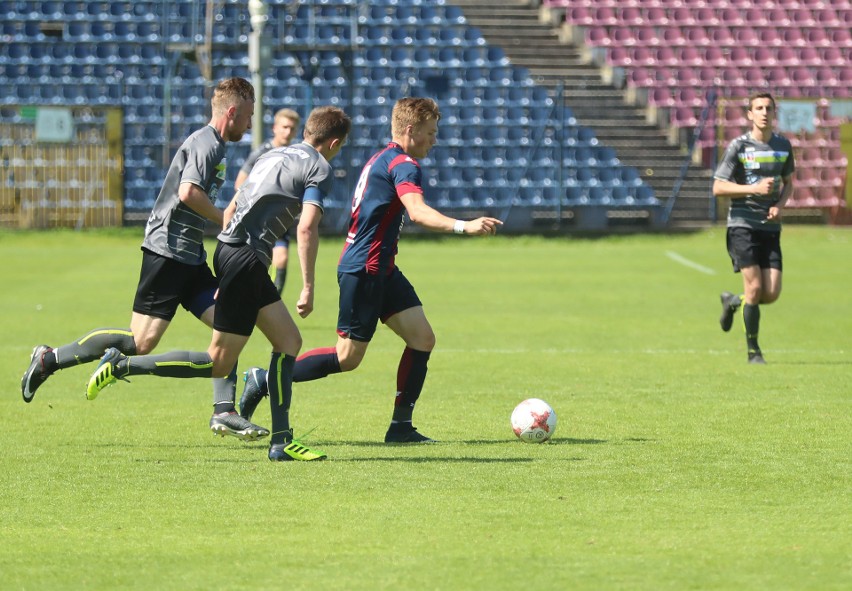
x: 529, y: 42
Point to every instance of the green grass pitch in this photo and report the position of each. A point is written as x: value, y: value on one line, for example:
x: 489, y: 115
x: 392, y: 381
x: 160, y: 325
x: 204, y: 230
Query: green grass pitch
x: 675, y: 465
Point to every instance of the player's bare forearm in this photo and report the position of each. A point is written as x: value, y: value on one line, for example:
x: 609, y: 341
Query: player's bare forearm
x: 197, y: 200
x: 786, y: 191
x: 308, y: 246
x: 731, y: 190
x: 432, y: 219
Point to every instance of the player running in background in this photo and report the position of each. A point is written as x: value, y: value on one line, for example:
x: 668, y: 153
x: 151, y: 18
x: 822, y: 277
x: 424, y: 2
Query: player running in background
x: 372, y: 287
x: 285, y: 125
x: 756, y: 175
x: 284, y: 182
x: 174, y: 268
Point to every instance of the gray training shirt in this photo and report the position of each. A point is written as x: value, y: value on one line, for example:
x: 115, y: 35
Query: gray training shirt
x: 254, y: 155
x: 174, y: 230
x: 746, y: 162
x: 271, y: 198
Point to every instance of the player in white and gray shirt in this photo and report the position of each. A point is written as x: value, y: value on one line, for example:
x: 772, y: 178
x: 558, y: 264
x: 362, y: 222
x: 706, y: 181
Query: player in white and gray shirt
x: 272, y: 196
x: 283, y: 182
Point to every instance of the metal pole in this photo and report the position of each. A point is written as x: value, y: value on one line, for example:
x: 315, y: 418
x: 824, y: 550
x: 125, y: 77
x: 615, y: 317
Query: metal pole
x: 258, y: 11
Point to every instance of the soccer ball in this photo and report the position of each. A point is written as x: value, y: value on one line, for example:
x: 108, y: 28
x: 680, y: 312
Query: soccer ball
x: 533, y: 421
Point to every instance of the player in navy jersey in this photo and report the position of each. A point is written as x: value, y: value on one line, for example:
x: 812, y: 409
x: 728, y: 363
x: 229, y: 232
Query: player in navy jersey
x: 284, y: 128
x: 284, y: 183
x: 372, y: 287
x: 756, y: 175
x: 174, y: 263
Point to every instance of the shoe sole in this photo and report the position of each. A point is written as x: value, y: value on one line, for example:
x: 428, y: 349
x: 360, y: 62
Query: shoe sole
x: 25, y: 381
x: 222, y: 431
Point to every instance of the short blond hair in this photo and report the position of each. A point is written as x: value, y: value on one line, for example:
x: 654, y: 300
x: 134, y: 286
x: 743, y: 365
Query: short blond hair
x: 288, y: 114
x: 230, y: 93
x: 327, y: 122
x: 412, y: 111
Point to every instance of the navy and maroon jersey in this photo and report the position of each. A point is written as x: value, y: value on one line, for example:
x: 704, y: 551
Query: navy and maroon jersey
x: 377, y: 211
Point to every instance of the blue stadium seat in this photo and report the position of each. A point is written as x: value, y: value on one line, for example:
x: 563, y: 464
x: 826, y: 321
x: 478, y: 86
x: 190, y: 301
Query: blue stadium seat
x: 645, y: 195
x: 600, y: 195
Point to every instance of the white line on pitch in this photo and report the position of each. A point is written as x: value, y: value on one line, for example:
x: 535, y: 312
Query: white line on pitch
x: 691, y: 264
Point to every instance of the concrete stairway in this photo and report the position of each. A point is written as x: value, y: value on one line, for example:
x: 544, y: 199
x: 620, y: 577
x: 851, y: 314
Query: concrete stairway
x: 515, y: 26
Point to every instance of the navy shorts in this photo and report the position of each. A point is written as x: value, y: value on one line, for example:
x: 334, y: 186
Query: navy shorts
x: 748, y: 247
x: 165, y: 283
x: 365, y: 299
x: 244, y: 288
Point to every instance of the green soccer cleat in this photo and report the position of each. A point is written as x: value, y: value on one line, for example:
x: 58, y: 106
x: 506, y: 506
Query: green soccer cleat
x: 294, y: 450
x: 105, y: 373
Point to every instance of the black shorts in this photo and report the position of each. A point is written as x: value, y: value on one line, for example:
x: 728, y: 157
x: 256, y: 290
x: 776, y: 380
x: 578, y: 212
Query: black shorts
x: 164, y: 283
x: 284, y: 241
x: 244, y: 288
x: 365, y: 299
x: 748, y: 247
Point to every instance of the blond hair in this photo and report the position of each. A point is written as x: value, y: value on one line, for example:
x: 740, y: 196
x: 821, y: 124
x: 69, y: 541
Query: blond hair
x: 230, y: 93
x: 288, y: 114
x: 412, y: 111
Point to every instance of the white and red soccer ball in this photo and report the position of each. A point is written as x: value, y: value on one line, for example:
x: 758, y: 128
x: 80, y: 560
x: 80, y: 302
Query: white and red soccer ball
x: 533, y: 421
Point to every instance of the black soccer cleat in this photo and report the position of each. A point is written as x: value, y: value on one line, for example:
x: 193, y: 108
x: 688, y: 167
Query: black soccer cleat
x: 230, y: 423
x: 730, y: 303
x: 756, y: 357
x: 36, y: 374
x: 254, y: 391
x: 405, y: 433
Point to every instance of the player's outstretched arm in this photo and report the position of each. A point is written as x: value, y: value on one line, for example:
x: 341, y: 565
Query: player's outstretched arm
x: 432, y: 219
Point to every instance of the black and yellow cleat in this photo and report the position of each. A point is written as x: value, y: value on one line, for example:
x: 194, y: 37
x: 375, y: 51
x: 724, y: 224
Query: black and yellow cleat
x: 294, y: 451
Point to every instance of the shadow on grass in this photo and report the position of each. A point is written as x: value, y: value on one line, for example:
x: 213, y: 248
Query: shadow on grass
x: 847, y: 362
x: 556, y: 441
x: 442, y: 460
x: 255, y: 445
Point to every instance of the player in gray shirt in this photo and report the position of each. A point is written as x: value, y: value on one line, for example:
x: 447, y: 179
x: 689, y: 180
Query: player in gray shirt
x: 174, y: 268
x: 756, y: 175
x: 284, y: 127
x: 284, y: 182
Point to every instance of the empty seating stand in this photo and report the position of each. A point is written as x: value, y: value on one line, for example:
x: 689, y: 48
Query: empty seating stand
x: 500, y: 147
x: 669, y: 53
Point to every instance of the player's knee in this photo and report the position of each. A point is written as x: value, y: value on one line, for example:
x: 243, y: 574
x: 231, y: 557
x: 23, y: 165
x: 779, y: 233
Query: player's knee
x: 290, y: 345
x: 349, y: 363
x: 145, y: 345
x: 770, y: 297
x: 428, y: 341
x: 424, y: 341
